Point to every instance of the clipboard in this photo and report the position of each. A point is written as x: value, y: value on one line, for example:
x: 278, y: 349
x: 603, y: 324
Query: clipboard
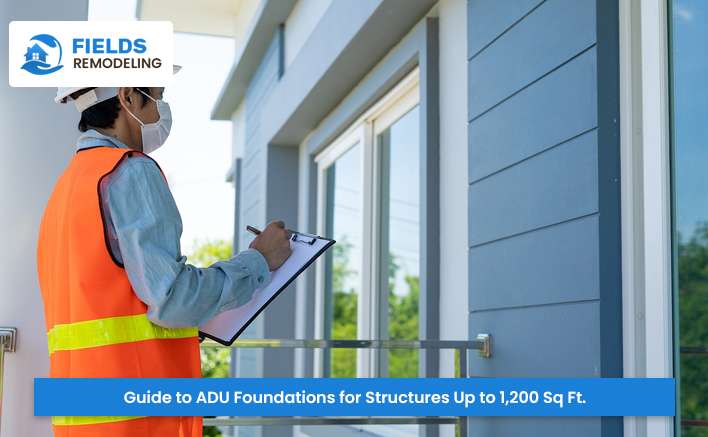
x: 225, y: 327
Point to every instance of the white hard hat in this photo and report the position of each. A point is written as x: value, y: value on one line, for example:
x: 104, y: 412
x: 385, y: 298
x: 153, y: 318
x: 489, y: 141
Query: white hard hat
x: 87, y: 99
x: 90, y: 98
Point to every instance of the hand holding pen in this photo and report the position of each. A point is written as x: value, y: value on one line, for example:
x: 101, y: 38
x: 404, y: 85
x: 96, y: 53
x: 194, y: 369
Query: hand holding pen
x: 273, y: 243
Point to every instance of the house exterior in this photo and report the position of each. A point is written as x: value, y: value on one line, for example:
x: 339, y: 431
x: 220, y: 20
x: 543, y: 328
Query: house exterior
x: 530, y: 169
x: 507, y: 162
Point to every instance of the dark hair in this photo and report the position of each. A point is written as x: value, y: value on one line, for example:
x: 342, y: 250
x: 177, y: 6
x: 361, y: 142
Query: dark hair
x: 103, y: 114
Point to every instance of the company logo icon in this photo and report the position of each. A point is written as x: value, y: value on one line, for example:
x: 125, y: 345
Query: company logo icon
x: 42, y: 48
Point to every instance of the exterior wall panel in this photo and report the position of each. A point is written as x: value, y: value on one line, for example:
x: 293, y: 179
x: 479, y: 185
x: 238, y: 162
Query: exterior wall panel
x: 255, y: 362
x: 255, y: 150
x: 544, y: 216
x: 565, y: 268
x: 548, y: 112
x: 529, y: 50
x: 543, y: 341
x: 550, y: 188
x: 487, y: 19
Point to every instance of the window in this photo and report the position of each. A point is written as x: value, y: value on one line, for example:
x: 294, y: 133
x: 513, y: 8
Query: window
x: 399, y: 152
x: 369, y: 201
x: 342, y: 275
x: 689, y: 95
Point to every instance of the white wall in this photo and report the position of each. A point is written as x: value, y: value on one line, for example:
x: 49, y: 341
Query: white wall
x: 299, y: 25
x: 453, y: 181
x: 453, y: 175
x: 304, y: 298
x: 38, y: 141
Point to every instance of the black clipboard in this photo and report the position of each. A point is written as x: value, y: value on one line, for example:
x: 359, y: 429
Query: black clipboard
x: 307, y: 248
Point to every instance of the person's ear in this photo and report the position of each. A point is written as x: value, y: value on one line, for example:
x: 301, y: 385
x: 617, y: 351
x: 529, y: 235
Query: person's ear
x: 126, y: 97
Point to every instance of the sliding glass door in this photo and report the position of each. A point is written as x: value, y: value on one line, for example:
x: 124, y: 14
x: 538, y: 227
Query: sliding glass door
x: 369, y: 201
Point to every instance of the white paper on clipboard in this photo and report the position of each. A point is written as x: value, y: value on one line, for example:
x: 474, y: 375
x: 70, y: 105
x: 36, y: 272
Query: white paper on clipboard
x: 226, y: 326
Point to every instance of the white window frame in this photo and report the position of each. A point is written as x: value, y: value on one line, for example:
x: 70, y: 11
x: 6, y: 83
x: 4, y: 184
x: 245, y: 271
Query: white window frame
x: 396, y: 103
x: 646, y: 201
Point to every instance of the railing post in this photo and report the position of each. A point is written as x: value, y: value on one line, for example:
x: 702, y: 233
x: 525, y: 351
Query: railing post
x: 8, y: 342
x: 462, y: 357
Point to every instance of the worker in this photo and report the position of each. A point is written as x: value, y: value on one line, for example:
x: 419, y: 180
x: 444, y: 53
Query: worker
x: 120, y: 300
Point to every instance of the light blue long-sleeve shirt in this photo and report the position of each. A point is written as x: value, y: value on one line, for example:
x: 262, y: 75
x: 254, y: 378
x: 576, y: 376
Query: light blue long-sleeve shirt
x: 144, y: 227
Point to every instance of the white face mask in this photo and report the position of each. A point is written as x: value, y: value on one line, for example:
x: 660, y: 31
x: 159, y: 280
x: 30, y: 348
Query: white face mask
x: 155, y: 134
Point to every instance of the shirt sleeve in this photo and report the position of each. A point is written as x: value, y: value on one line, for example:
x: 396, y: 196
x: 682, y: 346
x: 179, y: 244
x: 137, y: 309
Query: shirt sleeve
x: 148, y: 228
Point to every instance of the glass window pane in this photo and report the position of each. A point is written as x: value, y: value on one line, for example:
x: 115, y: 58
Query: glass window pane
x: 400, y: 151
x: 689, y: 59
x: 343, y: 278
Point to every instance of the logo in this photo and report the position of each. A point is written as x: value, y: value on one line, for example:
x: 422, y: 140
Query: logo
x: 96, y: 53
x: 41, y: 47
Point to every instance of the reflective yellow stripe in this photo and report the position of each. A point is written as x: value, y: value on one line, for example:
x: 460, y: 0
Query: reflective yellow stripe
x: 89, y: 420
x: 108, y: 331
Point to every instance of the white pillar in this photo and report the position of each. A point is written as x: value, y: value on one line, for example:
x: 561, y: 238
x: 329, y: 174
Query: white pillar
x: 37, y: 142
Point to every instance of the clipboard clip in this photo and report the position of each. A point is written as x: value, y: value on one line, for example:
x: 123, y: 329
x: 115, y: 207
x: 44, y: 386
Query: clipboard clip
x: 303, y: 238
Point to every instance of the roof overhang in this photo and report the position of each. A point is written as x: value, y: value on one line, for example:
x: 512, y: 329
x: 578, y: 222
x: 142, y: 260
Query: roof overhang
x: 269, y: 16
x: 208, y: 17
x: 342, y: 50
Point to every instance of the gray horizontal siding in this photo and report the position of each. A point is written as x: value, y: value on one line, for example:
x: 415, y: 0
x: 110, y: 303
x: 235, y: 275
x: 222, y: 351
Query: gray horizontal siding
x: 249, y: 363
x: 254, y: 177
x: 546, y: 341
x: 254, y: 165
x: 552, y: 110
x: 554, y: 33
x: 252, y: 182
x: 258, y: 90
x: 551, y: 265
x: 487, y: 19
x: 252, y: 191
x: 555, y: 186
x: 544, y: 258
x: 252, y: 153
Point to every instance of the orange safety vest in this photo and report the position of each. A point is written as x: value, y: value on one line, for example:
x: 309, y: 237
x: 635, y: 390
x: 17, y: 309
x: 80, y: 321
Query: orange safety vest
x: 96, y: 325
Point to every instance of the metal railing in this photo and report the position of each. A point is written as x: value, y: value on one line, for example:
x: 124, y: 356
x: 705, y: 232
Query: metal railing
x: 702, y: 352
x: 483, y: 344
x: 8, y: 343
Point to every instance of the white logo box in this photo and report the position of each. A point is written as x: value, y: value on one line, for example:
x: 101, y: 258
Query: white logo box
x: 104, y: 36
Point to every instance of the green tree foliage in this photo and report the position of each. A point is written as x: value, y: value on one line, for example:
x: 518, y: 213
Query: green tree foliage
x: 208, y: 252
x: 403, y: 325
x: 215, y: 361
x: 693, y: 307
x: 403, y: 316
x: 343, y: 311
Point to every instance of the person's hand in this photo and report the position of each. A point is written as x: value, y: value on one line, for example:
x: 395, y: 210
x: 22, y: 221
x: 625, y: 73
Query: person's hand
x: 274, y: 244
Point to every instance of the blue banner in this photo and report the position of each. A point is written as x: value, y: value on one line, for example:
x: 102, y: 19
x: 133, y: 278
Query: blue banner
x: 354, y: 397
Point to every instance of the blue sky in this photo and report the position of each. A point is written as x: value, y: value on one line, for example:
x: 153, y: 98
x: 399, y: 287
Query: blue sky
x: 690, y: 64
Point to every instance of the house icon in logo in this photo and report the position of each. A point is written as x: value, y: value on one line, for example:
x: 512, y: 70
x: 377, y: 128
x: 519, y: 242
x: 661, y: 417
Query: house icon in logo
x: 43, y: 56
x: 35, y: 53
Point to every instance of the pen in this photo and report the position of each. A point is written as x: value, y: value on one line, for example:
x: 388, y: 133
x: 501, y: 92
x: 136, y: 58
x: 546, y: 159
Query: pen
x: 251, y: 229
x: 256, y: 231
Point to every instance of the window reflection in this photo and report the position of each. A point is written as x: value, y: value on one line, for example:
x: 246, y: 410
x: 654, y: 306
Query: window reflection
x: 400, y: 211
x: 689, y: 57
x: 344, y: 219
